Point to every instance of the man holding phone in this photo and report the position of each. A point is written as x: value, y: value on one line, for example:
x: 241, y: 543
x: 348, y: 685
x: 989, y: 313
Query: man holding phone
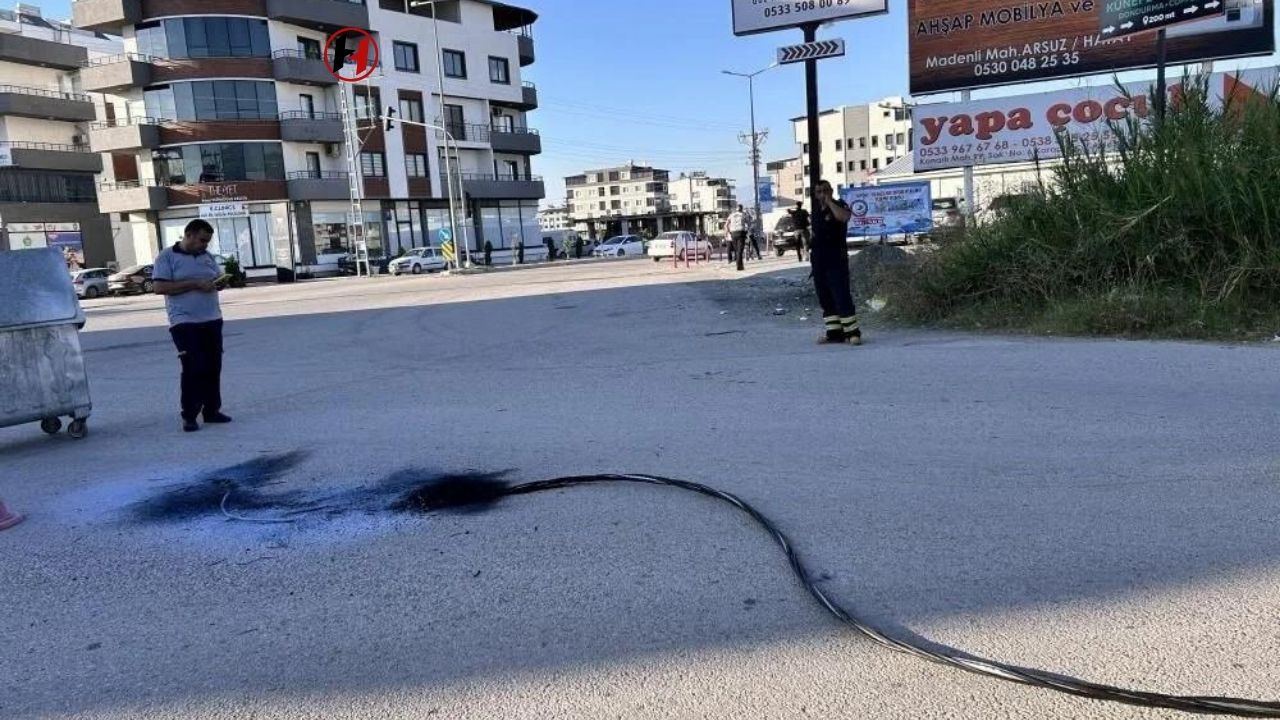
x: 829, y: 255
x: 190, y: 279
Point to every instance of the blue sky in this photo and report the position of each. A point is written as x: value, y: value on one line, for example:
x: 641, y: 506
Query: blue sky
x: 622, y: 80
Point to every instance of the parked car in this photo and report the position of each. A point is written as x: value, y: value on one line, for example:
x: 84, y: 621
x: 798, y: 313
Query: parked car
x: 621, y: 246
x: 347, y: 265
x: 784, y: 235
x: 131, y: 281
x: 678, y: 244
x: 418, y: 261
x: 90, y: 283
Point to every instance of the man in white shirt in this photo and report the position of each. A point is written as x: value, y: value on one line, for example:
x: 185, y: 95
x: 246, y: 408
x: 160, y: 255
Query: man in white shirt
x: 738, y: 234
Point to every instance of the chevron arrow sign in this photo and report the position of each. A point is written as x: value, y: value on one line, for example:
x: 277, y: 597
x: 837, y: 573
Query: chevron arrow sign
x: 810, y: 51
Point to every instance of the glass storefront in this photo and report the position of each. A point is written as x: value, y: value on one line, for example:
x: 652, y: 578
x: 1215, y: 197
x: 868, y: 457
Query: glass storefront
x: 509, y: 223
x: 331, y: 230
x: 250, y: 239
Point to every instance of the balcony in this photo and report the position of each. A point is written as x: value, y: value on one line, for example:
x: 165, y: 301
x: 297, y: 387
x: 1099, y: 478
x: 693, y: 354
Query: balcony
x: 480, y: 186
x: 311, y: 127
x: 525, y: 42
x: 51, y: 156
x: 124, y: 134
x: 109, y: 16
x: 297, y: 67
x: 116, y: 72
x: 515, y: 140
x: 324, y: 15
x: 132, y: 196
x: 530, y: 100
x: 318, y: 185
x: 45, y: 104
x: 44, y: 53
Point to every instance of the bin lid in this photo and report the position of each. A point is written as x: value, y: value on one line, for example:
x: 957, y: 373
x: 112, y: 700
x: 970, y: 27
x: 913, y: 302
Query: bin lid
x: 35, y: 289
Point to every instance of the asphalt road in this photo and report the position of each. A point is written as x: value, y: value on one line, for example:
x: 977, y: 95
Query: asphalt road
x: 1099, y: 508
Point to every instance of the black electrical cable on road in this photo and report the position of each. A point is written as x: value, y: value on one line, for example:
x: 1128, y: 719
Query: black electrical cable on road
x: 477, y: 494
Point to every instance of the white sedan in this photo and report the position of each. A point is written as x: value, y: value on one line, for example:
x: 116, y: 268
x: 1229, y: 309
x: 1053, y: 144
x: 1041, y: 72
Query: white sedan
x: 418, y: 261
x: 680, y: 245
x: 621, y: 246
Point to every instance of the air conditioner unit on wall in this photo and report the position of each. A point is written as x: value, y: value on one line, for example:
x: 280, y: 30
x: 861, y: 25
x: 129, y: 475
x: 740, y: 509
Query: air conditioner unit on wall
x: 79, y: 139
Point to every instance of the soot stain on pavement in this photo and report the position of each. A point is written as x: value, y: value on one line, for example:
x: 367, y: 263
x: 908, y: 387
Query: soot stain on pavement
x: 240, y: 492
x: 242, y: 485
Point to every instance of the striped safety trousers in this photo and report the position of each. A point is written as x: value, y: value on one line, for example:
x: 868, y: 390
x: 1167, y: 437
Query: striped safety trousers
x: 831, y: 280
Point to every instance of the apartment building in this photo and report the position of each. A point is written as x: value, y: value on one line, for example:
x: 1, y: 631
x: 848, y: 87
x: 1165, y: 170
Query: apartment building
x: 229, y: 112
x: 857, y: 141
x: 554, y: 218
x: 697, y: 193
x: 46, y: 166
x: 788, y: 181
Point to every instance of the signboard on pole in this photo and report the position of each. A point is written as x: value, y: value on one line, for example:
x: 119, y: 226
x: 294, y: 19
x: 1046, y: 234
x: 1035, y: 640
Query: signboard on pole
x: 895, y: 209
x: 965, y: 44
x: 1125, y: 17
x: 1027, y: 127
x: 761, y: 16
x: 766, y: 194
x: 819, y: 50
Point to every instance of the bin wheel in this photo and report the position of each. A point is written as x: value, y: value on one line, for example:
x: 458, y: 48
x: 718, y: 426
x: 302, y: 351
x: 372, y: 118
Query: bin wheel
x: 78, y: 429
x: 51, y: 426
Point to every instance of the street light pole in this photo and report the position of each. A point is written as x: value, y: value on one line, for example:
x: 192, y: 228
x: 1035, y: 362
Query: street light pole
x: 448, y: 165
x: 755, y: 138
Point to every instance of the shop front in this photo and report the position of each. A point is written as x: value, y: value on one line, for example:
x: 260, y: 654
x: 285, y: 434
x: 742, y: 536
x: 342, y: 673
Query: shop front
x: 257, y: 235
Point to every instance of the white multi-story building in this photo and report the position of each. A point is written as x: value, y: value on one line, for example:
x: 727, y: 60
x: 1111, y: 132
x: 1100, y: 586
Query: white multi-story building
x: 46, y: 166
x: 697, y: 193
x: 788, y: 181
x: 857, y: 141
x: 230, y: 113
x: 625, y: 199
x: 554, y: 218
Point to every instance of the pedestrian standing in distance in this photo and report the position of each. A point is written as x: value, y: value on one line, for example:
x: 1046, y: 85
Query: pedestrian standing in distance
x: 738, y: 235
x: 488, y: 253
x: 189, y: 279
x: 755, y: 230
x: 829, y: 256
x: 800, y: 220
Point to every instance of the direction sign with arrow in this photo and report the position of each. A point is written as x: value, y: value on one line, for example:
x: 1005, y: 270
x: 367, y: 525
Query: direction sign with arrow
x: 1125, y: 17
x: 810, y: 51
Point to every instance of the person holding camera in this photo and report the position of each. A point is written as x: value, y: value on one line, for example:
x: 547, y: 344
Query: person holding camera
x: 190, y: 279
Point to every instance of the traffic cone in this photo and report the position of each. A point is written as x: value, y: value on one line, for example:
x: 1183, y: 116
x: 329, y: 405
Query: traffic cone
x: 8, y: 518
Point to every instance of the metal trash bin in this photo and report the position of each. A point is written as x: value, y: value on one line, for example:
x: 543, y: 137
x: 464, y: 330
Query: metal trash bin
x: 42, y: 375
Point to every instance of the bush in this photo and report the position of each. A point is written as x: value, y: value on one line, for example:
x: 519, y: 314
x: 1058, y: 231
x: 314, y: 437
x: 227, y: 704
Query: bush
x: 1173, y: 230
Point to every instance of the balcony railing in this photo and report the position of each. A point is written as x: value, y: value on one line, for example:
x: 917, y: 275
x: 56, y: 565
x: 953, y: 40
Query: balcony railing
x: 305, y: 115
x: 295, y: 53
x: 490, y: 177
x: 38, y: 92
x: 127, y: 185
x: 122, y: 57
x: 317, y: 175
x: 125, y: 122
x: 57, y: 147
x: 529, y: 85
x: 472, y: 132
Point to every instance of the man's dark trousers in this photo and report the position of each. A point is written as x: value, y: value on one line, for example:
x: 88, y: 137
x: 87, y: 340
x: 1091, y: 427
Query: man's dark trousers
x: 200, y: 350
x: 831, y: 280
x: 739, y: 247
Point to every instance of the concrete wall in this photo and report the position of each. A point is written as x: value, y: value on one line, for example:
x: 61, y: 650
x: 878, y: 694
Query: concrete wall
x: 20, y: 129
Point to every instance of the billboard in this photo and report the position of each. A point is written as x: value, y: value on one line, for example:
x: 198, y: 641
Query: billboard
x: 760, y: 16
x: 1023, y: 128
x: 895, y: 209
x: 962, y: 44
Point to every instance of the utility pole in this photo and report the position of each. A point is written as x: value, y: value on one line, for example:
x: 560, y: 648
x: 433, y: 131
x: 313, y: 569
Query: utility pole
x: 756, y: 139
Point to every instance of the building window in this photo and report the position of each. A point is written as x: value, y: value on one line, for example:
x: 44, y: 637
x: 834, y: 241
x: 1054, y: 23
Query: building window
x: 411, y: 109
x: 875, y: 163
x: 862, y: 142
x: 875, y: 141
x: 207, y: 100
x: 455, y: 64
x: 203, y: 37
x: 415, y: 164
x: 839, y: 167
x: 368, y: 103
x: 499, y: 70
x: 839, y: 144
x: 406, y: 56
x: 888, y: 140
x: 806, y: 147
x: 218, y: 162
x: 309, y: 48
x: 615, y: 190
x: 373, y: 164
x: 19, y: 185
x: 901, y: 139
x: 862, y: 165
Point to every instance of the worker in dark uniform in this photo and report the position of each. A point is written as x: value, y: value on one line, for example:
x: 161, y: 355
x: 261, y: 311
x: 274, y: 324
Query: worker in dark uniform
x: 829, y: 256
